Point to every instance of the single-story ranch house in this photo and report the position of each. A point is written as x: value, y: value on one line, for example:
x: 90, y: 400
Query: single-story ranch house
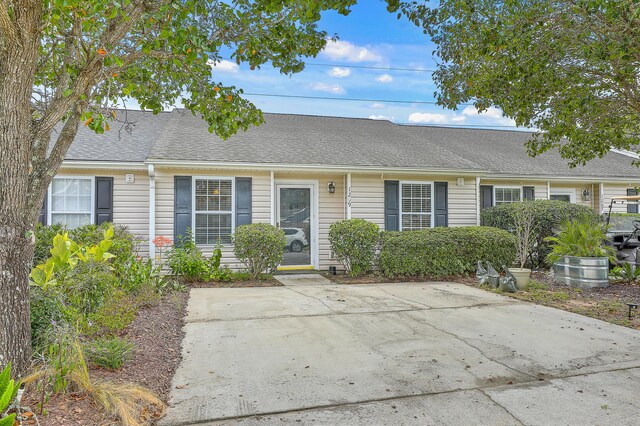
x: 303, y: 173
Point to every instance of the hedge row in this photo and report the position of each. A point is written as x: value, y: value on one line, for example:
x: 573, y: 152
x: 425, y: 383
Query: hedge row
x: 547, y: 217
x: 442, y: 252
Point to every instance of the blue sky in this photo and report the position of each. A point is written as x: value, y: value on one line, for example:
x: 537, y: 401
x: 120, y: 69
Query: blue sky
x: 372, y: 37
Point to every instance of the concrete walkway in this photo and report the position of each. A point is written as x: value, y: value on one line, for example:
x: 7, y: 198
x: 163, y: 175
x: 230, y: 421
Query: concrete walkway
x: 390, y: 354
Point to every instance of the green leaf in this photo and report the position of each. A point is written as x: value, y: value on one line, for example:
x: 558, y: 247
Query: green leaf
x: 8, y: 421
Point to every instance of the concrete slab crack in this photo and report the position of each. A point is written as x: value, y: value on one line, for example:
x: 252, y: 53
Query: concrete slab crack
x: 313, y: 297
x: 503, y: 407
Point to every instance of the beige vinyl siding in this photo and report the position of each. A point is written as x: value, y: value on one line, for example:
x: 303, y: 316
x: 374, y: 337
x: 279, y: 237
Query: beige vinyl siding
x: 367, y: 197
x: 616, y: 190
x: 260, y: 202
x: 130, y: 201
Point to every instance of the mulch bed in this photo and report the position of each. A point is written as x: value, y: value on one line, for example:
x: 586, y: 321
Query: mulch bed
x: 157, y: 335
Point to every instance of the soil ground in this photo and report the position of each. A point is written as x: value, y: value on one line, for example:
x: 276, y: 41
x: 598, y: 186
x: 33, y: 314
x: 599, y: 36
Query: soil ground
x: 157, y: 335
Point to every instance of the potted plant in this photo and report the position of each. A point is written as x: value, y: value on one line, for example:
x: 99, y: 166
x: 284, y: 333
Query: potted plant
x: 524, y: 231
x: 578, y: 254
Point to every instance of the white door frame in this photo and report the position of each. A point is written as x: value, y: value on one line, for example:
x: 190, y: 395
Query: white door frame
x: 313, y: 185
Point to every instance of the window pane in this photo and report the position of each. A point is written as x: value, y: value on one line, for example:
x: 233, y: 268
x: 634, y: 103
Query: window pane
x: 213, y: 227
x: 71, y: 220
x: 416, y: 206
x: 507, y: 195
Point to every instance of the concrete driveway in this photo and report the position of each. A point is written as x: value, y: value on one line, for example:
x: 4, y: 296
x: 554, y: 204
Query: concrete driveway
x: 390, y: 354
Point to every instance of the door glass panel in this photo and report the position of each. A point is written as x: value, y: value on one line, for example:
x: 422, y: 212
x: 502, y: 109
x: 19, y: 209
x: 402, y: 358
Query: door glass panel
x: 295, y: 220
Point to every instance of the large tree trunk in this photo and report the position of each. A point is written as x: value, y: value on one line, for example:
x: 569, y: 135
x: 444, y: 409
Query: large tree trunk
x: 18, y: 59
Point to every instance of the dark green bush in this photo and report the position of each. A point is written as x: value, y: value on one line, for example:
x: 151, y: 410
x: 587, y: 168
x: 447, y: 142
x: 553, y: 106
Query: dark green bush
x: 47, y: 309
x: 123, y: 242
x: 442, y: 252
x: 186, y: 260
x: 87, y: 286
x: 113, y: 316
x: 259, y: 246
x: 108, y: 352
x: 353, y: 242
x: 548, y: 215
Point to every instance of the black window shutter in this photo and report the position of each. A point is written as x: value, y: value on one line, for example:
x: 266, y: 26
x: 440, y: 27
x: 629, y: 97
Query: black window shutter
x: 104, y: 200
x: 43, y: 211
x: 243, y: 201
x: 391, y: 205
x: 181, y: 207
x: 486, y: 196
x: 441, y: 202
x: 632, y: 208
x: 528, y: 193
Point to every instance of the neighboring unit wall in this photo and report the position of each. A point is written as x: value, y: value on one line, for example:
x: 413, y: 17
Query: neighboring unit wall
x: 616, y: 190
x: 130, y: 200
x: 367, y: 197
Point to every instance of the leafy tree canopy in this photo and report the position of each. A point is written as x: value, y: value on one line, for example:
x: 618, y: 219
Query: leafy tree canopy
x: 566, y: 67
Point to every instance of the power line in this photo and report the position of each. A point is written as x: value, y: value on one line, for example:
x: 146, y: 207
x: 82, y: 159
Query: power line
x: 330, y: 98
x: 364, y: 67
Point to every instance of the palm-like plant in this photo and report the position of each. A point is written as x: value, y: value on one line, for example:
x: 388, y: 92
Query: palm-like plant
x: 583, y: 237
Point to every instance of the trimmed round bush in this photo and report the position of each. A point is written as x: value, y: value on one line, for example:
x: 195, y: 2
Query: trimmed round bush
x: 547, y: 217
x: 259, y: 246
x: 443, y: 252
x: 353, y: 242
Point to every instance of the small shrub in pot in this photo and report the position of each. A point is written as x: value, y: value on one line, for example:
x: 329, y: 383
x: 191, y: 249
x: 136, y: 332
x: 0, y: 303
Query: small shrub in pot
x: 353, y: 243
x: 259, y: 246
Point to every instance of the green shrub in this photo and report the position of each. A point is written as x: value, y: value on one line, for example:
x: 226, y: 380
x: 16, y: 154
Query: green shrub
x: 47, y: 309
x: 8, y: 392
x: 259, y: 246
x: 547, y: 217
x: 442, y: 252
x: 186, y: 260
x: 117, y: 312
x: 44, y: 241
x: 108, y: 352
x: 123, y: 243
x: 582, y: 237
x: 88, y: 285
x: 353, y: 242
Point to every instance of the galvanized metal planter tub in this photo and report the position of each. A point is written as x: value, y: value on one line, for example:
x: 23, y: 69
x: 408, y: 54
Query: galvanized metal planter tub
x: 582, y: 272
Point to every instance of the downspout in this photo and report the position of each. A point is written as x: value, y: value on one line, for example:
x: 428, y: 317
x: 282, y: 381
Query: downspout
x: 349, y: 195
x: 478, y: 200
x: 152, y: 211
x: 548, y: 190
x: 273, y: 198
x: 601, y: 190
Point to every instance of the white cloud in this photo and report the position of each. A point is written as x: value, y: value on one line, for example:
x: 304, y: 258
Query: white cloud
x: 380, y: 117
x: 428, y: 117
x: 224, y: 66
x: 492, y: 113
x: 339, y: 72
x: 345, y: 51
x: 377, y: 105
x: 384, y: 78
x: 336, y: 89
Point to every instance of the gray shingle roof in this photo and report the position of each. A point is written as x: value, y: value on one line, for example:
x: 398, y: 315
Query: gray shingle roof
x: 118, y: 144
x: 287, y: 139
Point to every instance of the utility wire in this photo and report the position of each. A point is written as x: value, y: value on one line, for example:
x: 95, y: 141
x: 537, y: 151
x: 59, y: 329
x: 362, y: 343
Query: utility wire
x: 391, y: 101
x: 364, y: 67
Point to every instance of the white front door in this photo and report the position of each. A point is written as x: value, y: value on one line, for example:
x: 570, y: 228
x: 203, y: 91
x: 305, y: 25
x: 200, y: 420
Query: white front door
x: 296, y: 216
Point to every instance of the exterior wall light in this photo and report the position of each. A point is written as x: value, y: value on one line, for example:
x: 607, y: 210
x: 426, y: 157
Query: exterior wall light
x: 331, y: 187
x: 586, y: 194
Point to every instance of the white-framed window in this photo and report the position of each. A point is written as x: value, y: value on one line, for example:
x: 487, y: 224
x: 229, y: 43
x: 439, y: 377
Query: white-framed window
x: 416, y: 205
x: 213, y: 207
x: 566, y: 194
x: 71, y: 201
x: 506, y: 194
